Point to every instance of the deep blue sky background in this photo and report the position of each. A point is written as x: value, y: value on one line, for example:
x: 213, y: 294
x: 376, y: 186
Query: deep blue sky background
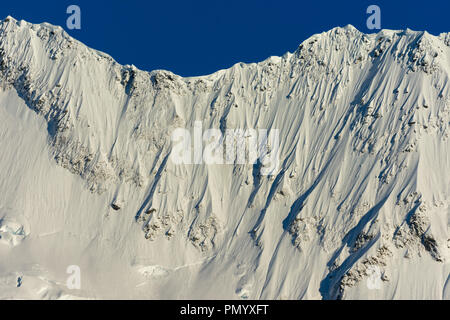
x: 199, y: 37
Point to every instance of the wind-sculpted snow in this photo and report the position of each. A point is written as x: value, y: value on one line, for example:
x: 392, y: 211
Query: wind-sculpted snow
x: 362, y: 185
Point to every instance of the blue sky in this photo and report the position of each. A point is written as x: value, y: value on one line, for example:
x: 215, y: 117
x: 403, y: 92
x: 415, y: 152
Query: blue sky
x: 193, y: 38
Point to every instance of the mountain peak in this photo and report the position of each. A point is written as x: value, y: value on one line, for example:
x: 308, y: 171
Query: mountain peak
x: 352, y: 137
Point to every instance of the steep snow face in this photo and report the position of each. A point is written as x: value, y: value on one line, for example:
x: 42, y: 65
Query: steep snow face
x: 358, y: 207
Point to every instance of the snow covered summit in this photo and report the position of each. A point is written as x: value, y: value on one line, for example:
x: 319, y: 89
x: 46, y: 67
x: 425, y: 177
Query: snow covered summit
x: 358, y: 208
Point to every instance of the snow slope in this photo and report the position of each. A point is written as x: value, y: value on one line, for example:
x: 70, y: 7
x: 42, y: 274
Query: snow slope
x: 358, y: 208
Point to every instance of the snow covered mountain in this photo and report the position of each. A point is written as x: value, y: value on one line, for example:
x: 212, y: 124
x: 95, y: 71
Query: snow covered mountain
x: 357, y: 208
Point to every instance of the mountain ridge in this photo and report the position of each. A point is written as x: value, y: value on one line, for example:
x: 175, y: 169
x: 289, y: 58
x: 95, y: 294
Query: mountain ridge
x: 363, y: 120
